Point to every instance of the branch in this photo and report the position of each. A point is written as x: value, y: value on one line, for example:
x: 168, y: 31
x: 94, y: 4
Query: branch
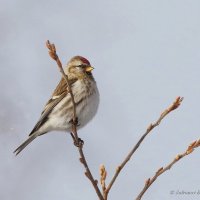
x: 160, y: 171
x: 77, y: 141
x: 54, y: 56
x: 103, y: 174
x: 174, y: 106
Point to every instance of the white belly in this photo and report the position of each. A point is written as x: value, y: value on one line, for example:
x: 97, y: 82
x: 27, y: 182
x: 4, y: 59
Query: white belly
x: 87, y: 110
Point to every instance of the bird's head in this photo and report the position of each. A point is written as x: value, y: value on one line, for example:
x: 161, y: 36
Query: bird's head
x: 79, y: 67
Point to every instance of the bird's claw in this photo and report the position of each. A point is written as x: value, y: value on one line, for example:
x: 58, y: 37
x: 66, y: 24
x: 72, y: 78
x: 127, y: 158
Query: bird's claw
x: 74, y: 122
x: 77, y: 143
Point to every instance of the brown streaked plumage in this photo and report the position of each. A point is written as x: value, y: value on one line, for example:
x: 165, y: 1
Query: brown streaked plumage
x: 58, y: 112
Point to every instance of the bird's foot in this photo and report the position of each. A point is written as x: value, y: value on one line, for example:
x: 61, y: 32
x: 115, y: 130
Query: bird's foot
x: 80, y: 142
x: 77, y: 143
x: 74, y: 122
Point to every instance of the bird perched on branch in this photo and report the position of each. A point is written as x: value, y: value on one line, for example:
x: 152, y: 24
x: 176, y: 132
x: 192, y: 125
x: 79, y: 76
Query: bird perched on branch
x: 58, y: 112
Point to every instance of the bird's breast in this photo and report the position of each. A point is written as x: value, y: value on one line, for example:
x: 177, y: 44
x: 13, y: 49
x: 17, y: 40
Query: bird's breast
x: 87, y: 101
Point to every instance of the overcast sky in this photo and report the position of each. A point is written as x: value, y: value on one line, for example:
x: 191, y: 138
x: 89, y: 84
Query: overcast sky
x: 145, y: 54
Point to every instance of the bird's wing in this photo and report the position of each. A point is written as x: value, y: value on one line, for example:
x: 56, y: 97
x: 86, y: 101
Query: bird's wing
x: 59, y: 93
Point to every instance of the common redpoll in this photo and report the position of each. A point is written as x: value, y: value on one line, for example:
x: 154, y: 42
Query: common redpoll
x: 58, y: 112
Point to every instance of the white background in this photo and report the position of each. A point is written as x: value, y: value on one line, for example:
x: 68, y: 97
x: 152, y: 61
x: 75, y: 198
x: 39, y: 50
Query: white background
x: 145, y: 54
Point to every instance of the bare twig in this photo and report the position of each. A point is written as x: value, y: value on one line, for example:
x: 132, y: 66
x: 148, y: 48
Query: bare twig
x: 160, y: 171
x: 103, y: 174
x: 53, y: 54
x: 174, y: 106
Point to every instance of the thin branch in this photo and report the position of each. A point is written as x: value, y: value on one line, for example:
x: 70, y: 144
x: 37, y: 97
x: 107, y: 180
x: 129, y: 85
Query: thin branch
x: 77, y: 142
x: 54, y: 56
x: 103, y: 174
x: 174, y: 106
x: 160, y: 171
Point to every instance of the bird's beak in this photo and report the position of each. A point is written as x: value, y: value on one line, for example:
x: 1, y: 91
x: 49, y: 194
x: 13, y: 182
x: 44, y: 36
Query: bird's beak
x: 89, y: 68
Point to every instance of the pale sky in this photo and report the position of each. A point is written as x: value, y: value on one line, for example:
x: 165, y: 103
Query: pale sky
x: 145, y: 54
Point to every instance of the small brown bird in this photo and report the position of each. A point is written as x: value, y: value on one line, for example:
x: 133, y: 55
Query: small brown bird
x: 58, y: 112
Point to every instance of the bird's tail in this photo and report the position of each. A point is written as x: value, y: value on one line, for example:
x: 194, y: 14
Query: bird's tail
x: 24, y: 144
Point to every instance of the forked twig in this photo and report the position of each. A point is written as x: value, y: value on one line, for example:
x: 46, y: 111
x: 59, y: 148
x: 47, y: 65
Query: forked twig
x: 160, y: 171
x: 53, y: 54
x: 174, y: 106
x: 103, y: 173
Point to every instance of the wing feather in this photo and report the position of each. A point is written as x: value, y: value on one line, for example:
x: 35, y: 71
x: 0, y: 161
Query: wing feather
x: 59, y: 93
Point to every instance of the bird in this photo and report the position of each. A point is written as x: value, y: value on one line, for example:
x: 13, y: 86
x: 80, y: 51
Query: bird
x: 57, y: 114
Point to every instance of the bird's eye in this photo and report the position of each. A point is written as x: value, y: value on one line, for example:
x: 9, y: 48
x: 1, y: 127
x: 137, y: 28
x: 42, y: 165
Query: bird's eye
x: 81, y: 66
